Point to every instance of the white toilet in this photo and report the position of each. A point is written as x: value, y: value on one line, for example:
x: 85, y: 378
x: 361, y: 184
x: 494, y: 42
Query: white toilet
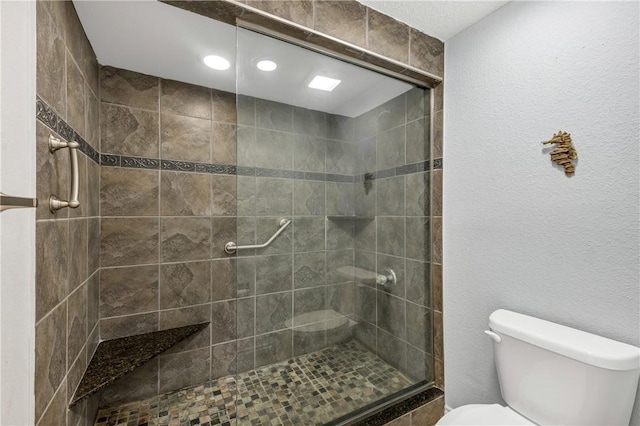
x: 555, y: 375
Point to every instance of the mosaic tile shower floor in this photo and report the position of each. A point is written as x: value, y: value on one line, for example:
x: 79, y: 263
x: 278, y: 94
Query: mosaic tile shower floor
x: 311, y: 389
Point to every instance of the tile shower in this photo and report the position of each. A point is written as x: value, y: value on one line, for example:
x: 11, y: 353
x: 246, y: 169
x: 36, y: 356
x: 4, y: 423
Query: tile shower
x: 167, y: 204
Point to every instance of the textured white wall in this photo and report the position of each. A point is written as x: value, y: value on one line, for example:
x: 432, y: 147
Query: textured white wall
x: 518, y: 234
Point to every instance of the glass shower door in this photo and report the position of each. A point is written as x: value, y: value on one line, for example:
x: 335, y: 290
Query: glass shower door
x: 333, y: 313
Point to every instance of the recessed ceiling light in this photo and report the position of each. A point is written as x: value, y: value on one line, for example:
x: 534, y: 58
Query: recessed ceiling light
x: 216, y: 62
x: 324, y: 83
x: 267, y: 65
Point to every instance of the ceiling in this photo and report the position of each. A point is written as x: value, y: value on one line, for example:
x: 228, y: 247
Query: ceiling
x: 161, y: 40
x: 440, y: 19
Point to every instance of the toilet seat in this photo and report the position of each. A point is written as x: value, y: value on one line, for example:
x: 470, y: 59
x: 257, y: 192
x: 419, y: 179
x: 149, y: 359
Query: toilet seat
x: 483, y: 414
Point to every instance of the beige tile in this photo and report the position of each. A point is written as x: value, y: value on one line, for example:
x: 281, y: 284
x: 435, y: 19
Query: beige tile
x: 93, y: 302
x: 428, y: 414
x: 223, y: 144
x: 78, y: 244
x: 223, y: 359
x: 76, y: 323
x: 93, y: 245
x: 417, y: 188
x: 185, y: 99
x: 114, y: 328
x: 129, y: 88
x: 346, y: 20
x: 185, y: 138
x: 51, y: 357
x: 223, y: 321
x: 50, y: 62
x: 128, y: 241
x: 185, y: 284
x: 438, y: 94
x: 128, y: 192
x: 436, y: 192
x: 437, y: 335
x: 223, y: 272
x: 224, y: 106
x: 52, y: 260
x: 75, y: 373
x: 57, y: 11
x: 80, y: 48
x: 223, y: 231
x: 439, y: 373
x: 56, y: 413
x: 93, y: 188
x: 300, y: 12
x: 185, y: 239
x: 129, y: 131
x: 127, y: 291
x: 77, y: 415
x: 142, y: 383
x: 426, y: 53
x: 388, y: 36
x: 401, y: 421
x: 437, y: 135
x: 184, y: 369
x: 436, y: 280
x: 75, y: 97
x: 188, y: 316
x: 92, y: 119
x: 436, y: 241
x: 185, y: 194
x: 223, y: 191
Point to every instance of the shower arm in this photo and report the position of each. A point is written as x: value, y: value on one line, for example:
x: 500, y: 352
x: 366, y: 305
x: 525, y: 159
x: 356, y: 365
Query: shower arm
x: 231, y: 247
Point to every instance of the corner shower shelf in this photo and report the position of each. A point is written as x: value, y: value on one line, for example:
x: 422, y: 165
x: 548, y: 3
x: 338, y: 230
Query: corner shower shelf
x: 350, y: 217
x: 116, y: 358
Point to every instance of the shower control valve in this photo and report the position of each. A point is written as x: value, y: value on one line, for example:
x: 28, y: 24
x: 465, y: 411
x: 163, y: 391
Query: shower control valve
x: 387, y: 279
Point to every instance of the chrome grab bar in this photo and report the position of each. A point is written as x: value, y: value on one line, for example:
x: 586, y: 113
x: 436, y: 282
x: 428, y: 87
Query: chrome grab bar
x: 231, y: 247
x: 55, y: 203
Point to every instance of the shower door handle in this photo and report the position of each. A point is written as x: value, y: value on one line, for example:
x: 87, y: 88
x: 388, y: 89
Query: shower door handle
x: 56, y: 203
x: 231, y: 247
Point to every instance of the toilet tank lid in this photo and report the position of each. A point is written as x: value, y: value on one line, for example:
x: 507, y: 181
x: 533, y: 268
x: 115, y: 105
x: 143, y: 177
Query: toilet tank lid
x: 576, y: 344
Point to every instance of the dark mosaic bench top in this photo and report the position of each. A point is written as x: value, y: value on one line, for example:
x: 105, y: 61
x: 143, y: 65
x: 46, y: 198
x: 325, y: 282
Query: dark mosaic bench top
x: 117, y: 357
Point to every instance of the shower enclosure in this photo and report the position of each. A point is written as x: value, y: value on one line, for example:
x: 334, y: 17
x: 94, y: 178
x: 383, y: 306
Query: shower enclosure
x: 294, y: 220
x: 334, y: 314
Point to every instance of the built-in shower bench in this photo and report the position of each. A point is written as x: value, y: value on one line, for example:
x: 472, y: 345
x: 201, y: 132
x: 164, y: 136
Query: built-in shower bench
x: 116, y: 358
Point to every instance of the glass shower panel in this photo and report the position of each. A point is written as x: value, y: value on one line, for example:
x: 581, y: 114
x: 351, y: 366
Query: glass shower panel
x: 333, y: 314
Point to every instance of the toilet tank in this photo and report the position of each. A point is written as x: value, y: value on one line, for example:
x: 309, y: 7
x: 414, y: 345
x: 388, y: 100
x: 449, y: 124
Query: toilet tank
x: 552, y: 374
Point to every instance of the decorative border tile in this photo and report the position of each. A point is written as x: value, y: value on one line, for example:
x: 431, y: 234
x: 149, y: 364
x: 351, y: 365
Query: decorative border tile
x: 181, y: 166
x: 139, y: 163
x: 47, y: 116
x: 109, y: 160
x: 51, y: 119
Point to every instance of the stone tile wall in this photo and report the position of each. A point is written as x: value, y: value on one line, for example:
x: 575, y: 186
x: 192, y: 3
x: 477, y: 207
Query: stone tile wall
x: 164, y: 223
x: 343, y: 19
x: 292, y: 162
x: 68, y: 82
x: 67, y: 242
x: 393, y: 144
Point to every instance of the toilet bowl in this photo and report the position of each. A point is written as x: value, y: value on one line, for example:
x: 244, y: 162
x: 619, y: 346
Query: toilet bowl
x: 550, y: 374
x: 483, y: 414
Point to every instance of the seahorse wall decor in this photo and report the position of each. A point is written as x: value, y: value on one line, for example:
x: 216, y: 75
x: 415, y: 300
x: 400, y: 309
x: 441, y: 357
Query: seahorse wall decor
x: 564, y: 153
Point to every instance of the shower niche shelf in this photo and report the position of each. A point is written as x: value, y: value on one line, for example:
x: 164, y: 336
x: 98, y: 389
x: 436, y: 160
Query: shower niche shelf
x: 350, y: 217
x: 116, y: 358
